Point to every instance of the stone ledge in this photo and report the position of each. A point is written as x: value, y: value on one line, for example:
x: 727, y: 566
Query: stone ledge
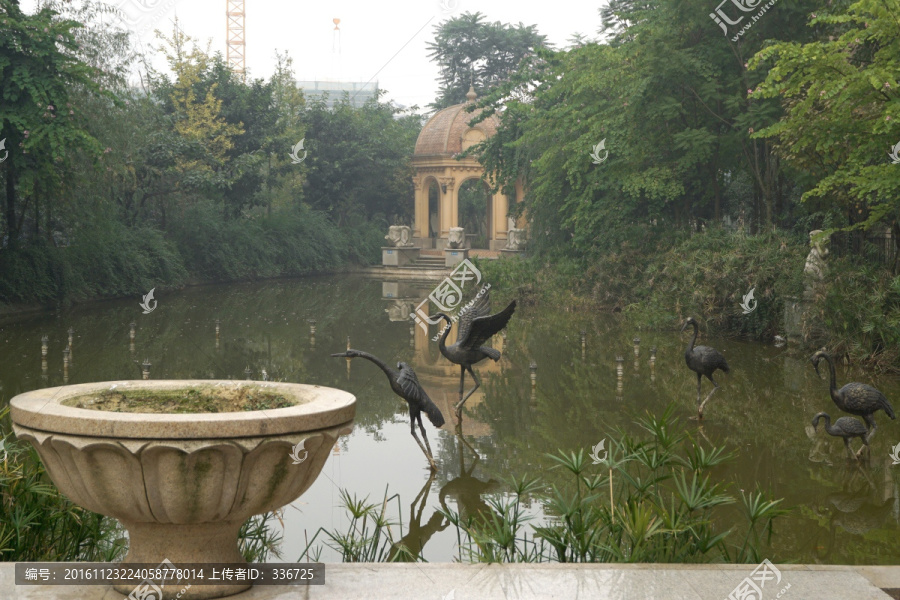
x: 428, y: 581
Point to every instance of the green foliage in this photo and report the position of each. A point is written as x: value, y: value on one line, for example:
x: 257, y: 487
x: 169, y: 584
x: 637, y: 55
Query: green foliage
x: 860, y: 312
x: 38, y: 71
x: 104, y: 260
x: 708, y: 274
x: 470, y: 51
x: 358, y: 162
x: 842, y: 101
x: 291, y: 242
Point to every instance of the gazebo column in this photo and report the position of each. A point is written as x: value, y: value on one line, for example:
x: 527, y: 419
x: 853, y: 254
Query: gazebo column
x: 449, y: 208
x: 420, y: 210
x: 521, y: 222
x: 500, y: 205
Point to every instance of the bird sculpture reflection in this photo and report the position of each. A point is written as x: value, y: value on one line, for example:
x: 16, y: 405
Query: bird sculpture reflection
x: 703, y: 360
x: 846, y: 428
x: 476, y: 327
x: 406, y: 385
x: 855, y: 398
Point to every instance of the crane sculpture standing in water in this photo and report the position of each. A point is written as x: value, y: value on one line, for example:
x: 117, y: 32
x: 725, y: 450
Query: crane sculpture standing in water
x: 856, y: 398
x: 406, y: 385
x: 476, y: 327
x: 703, y: 360
x: 845, y: 427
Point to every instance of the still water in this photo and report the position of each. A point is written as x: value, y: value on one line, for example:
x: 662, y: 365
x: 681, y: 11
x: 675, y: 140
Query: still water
x: 841, y: 514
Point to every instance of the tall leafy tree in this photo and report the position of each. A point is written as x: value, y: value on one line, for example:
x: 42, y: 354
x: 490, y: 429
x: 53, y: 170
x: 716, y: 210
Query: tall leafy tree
x: 842, y: 110
x: 39, y: 70
x: 358, y: 162
x: 471, y: 51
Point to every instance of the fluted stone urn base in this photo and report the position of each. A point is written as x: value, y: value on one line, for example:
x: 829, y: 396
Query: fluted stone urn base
x: 183, y: 484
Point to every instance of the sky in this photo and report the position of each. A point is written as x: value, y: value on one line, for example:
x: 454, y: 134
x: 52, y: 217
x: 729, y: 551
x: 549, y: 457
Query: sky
x: 381, y: 41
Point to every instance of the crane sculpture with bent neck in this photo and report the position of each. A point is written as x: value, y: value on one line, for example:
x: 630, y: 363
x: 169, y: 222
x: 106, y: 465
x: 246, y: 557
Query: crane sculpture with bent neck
x: 476, y: 327
x: 406, y: 385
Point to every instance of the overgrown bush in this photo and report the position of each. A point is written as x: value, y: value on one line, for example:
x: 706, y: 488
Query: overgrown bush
x: 290, y: 242
x: 858, y: 314
x: 707, y: 275
x: 103, y: 259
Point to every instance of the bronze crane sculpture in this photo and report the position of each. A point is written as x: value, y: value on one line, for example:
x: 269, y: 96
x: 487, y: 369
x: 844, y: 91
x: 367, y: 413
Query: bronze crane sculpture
x: 406, y: 385
x: 476, y: 326
x: 703, y: 360
x: 855, y: 398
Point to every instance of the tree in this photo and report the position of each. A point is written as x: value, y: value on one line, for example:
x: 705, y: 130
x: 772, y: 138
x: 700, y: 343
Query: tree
x: 473, y: 52
x: 39, y: 70
x: 358, y: 162
x: 842, y: 106
x: 671, y: 104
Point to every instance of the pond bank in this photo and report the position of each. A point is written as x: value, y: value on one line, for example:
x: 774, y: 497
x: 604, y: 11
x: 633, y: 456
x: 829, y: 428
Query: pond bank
x: 366, y: 581
x: 737, y: 285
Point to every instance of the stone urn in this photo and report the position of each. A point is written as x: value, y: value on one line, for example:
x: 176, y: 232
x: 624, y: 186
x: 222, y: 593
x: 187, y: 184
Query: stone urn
x: 183, y: 484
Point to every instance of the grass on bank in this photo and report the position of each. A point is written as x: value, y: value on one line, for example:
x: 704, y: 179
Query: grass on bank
x: 108, y: 259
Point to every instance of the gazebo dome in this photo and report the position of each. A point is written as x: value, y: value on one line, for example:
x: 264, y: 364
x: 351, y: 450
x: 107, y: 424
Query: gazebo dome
x: 448, y: 131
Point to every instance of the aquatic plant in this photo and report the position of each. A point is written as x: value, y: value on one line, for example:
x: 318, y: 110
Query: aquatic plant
x: 368, y: 537
x: 656, y: 502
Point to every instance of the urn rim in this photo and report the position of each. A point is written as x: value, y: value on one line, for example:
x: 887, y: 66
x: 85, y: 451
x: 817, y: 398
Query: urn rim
x: 319, y: 407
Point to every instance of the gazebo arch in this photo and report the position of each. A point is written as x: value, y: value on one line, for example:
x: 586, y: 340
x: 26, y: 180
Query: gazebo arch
x: 442, y: 138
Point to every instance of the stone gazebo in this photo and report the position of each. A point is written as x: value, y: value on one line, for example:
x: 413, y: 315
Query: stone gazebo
x: 439, y: 176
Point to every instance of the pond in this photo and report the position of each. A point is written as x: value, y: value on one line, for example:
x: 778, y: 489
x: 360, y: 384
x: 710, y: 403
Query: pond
x: 842, y: 514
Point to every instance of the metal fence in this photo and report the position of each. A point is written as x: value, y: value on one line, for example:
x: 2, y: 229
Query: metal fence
x: 881, y: 247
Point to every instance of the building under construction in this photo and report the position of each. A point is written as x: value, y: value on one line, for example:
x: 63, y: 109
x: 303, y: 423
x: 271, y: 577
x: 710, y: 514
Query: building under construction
x: 359, y: 92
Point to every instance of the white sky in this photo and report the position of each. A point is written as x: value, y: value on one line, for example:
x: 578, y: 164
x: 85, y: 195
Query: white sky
x: 370, y: 34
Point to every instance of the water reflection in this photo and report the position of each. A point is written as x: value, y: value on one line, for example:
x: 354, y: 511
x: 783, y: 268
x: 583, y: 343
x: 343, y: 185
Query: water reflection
x: 466, y: 489
x: 411, y: 545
